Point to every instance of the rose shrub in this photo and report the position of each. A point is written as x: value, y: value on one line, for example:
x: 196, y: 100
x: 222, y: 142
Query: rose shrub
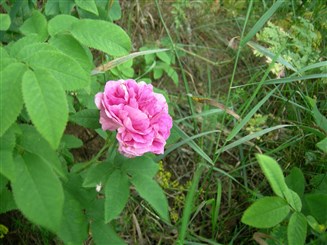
x: 139, y: 115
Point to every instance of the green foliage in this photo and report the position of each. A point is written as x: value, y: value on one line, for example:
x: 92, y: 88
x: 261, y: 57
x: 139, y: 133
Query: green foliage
x: 297, y: 40
x: 88, y: 118
x: 296, y: 181
x: 103, y: 36
x: 36, y: 24
x: 160, y: 62
x: 73, y: 227
x: 11, y: 94
x: 105, y: 234
x: 88, y: 5
x: 297, y: 229
x: 38, y: 192
x: 322, y: 145
x: 46, y: 104
x: 117, y: 193
x: 4, y: 22
x: 268, y: 212
x: 70, y: 74
x: 31, y: 141
x: 61, y: 24
x: 45, y: 81
x: 56, y: 55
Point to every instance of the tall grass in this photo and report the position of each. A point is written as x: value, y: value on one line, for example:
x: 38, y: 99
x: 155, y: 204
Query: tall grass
x: 225, y: 176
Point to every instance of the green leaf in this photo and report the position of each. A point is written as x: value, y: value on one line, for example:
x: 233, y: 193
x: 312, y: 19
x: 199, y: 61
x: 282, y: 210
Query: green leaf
x: 98, y: 174
x: 172, y: 74
x: 157, y: 73
x: 137, y: 166
x: 317, y: 206
x: 11, y: 99
x: 29, y: 50
x: 88, y: 118
x: 71, y: 142
x: 5, y: 60
x: 15, y: 47
x: 297, y: 229
x: 88, y: 5
x: 62, y: 67
x: 105, y: 234
x: 52, y: 7
x: 4, y: 53
x: 116, y: 192
x: 151, y: 192
x: 30, y: 140
x: 85, y: 196
x: 7, y: 167
x: 266, y: 212
x: 46, y: 104
x: 74, y: 226
x: 319, y: 183
x: 60, y: 24
x: 315, y: 225
x: 102, y: 35
x: 37, y: 23
x: 114, y: 10
x: 7, y: 144
x: 274, y: 175
x: 38, y: 192
x: 296, y: 181
x: 66, y: 6
x: 320, y: 119
x: 4, y: 22
x: 7, y: 201
x: 294, y: 200
x: 164, y: 57
x: 68, y: 45
x: 322, y: 145
x: 8, y: 140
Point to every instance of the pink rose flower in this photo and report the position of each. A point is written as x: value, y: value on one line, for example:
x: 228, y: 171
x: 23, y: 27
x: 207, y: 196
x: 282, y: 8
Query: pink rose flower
x: 139, y: 115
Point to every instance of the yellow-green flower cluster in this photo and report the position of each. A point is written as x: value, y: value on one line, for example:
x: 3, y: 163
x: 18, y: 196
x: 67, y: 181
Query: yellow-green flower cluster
x: 178, y: 190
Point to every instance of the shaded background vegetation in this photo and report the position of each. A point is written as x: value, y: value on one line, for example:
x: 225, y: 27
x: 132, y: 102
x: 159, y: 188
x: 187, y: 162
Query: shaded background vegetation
x: 204, y: 39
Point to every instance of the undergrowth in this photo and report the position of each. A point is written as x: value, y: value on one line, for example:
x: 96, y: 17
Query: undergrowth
x: 274, y: 92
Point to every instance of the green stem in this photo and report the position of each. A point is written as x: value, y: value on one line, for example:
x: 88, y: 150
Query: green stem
x: 187, y: 89
x: 189, y: 204
x: 234, y: 72
x: 98, y: 155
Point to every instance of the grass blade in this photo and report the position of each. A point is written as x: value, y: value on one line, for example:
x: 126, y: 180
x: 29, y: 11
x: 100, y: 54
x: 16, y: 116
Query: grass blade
x: 287, y: 80
x: 245, y: 120
x: 249, y: 137
x: 260, y: 23
x: 271, y: 55
x: 190, y: 142
x: 313, y: 66
x: 202, y: 114
x: 116, y: 62
x: 189, y: 205
x: 216, y: 208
